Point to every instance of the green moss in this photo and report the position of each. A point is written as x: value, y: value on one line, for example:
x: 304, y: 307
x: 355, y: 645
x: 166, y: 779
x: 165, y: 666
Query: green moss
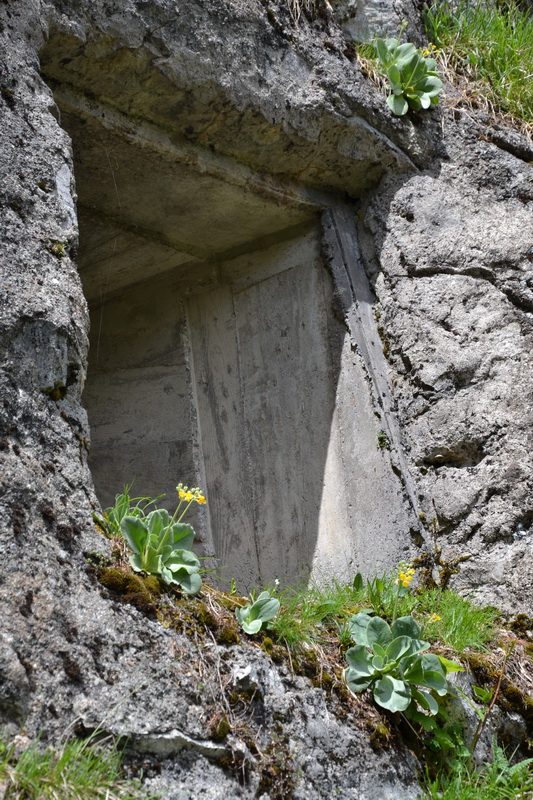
x: 203, y: 615
x: 268, y: 645
x: 142, y: 592
x: 521, y: 624
x: 278, y: 777
x: 227, y: 635
x: 324, y: 681
x: 379, y: 736
x: 219, y: 728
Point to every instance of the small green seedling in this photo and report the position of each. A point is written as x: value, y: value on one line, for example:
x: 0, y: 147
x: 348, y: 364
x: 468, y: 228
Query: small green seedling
x: 413, y: 79
x: 253, y: 615
x: 391, y: 660
x: 383, y: 441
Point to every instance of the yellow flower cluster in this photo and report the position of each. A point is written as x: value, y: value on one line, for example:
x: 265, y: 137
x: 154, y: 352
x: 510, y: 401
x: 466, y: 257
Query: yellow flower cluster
x: 431, y: 50
x: 405, y: 576
x: 189, y: 494
x: 434, y: 618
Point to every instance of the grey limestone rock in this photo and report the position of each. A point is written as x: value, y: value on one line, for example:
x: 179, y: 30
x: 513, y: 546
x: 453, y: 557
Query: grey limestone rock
x: 444, y: 204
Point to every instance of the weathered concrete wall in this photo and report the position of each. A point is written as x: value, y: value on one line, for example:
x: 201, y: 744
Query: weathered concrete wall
x: 233, y: 89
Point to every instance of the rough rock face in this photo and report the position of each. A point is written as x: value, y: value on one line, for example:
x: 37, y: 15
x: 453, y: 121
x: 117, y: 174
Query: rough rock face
x: 452, y: 253
x: 445, y: 230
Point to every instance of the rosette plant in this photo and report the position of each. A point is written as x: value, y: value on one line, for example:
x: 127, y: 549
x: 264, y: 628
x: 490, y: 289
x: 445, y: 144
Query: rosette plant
x: 253, y: 615
x: 161, y: 544
x: 413, y: 79
x: 392, y: 661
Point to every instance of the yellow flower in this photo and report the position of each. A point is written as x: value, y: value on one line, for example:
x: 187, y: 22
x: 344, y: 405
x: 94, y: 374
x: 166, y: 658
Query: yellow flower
x: 434, y: 618
x: 189, y: 494
x: 406, y: 583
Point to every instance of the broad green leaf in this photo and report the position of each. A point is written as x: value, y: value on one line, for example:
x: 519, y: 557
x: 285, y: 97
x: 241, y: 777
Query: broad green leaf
x: 430, y: 85
x: 166, y: 552
x: 431, y: 64
x: 482, y: 694
x: 412, y: 670
x: 357, y: 626
x: 182, y: 559
x: 135, y: 533
x: 398, y: 105
x: 432, y: 662
x: 184, y: 534
x: 406, y: 626
x: 425, y: 100
x: 384, y: 54
x: 378, y: 649
x: 355, y: 682
x: 404, y: 55
x: 394, y: 75
x: 418, y: 646
x: 136, y: 563
x: 358, y: 582
x: 435, y: 681
x: 378, y: 631
x: 379, y: 663
x: 157, y: 521
x: 398, y: 647
x: 392, y: 694
x: 243, y: 614
x: 191, y: 584
x: 407, y: 62
x: 426, y: 700
x: 151, y: 561
x: 265, y: 607
x: 360, y: 660
x: 251, y: 627
x: 450, y: 666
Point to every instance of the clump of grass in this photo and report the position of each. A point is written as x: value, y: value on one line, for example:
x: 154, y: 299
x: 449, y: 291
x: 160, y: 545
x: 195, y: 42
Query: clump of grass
x: 460, y: 623
x: 490, y: 43
x: 498, y: 780
x: 77, y: 770
x: 308, y: 614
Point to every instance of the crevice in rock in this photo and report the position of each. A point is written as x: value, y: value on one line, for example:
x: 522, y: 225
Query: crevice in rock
x: 458, y: 456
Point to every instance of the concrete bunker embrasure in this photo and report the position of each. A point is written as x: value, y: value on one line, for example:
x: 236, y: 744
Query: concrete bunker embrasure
x: 233, y: 346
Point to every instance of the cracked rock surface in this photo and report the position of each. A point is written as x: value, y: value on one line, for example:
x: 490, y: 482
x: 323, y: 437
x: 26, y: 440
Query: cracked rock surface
x: 451, y: 250
x: 446, y: 231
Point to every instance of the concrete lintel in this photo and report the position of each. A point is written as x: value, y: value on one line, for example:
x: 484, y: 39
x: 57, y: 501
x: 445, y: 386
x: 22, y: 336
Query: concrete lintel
x: 149, y: 136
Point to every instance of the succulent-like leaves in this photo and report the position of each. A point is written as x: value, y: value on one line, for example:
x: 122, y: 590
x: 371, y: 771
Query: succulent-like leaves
x: 397, y: 104
x: 360, y: 660
x: 379, y: 632
x: 392, y: 661
x: 253, y: 615
x: 135, y: 533
x: 153, y: 541
x: 182, y: 559
x: 406, y: 626
x: 182, y: 535
x: 413, y: 79
x: 357, y: 627
x: 391, y: 693
x: 398, y: 647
